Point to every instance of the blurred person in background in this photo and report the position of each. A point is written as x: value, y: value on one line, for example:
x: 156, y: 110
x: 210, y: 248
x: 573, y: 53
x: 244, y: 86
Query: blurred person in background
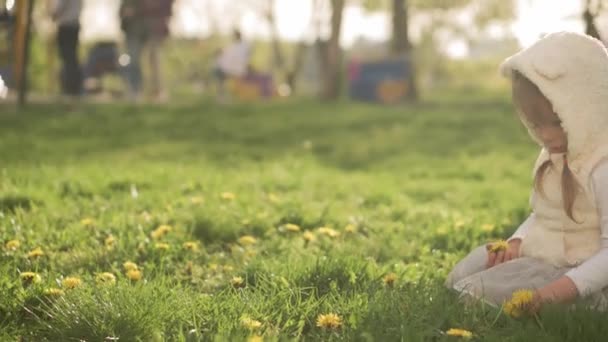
x: 145, y: 24
x: 232, y: 62
x: 66, y: 14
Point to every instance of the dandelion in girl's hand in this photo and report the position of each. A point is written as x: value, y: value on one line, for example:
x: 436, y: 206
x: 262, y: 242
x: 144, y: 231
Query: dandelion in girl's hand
x: 35, y: 253
x: 459, y: 333
x: 106, y: 278
x: 497, y: 246
x: 12, y: 245
x: 519, y: 304
x: 329, y: 321
x: 28, y: 278
x: 71, y: 282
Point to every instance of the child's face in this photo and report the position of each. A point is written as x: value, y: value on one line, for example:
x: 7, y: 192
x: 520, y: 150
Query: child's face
x: 538, y: 113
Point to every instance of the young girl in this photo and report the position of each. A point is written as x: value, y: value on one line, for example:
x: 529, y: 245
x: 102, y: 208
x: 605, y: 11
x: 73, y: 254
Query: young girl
x: 560, y: 90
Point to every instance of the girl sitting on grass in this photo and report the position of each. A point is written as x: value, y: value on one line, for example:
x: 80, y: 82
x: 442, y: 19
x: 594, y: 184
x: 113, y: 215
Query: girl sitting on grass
x: 560, y: 90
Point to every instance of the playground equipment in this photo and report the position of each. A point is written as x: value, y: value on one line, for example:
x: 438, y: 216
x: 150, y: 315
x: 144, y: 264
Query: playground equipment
x: 385, y: 81
x: 102, y: 59
x: 253, y: 86
x: 15, y: 29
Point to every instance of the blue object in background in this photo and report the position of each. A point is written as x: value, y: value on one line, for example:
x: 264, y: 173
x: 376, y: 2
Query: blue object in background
x: 366, y: 80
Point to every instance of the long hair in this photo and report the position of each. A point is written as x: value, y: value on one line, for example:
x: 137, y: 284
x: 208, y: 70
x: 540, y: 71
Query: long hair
x: 526, y: 90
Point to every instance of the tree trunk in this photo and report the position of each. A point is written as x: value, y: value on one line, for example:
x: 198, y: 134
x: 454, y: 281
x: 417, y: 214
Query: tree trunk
x: 589, y: 20
x: 331, y: 63
x: 401, y: 45
x: 277, y: 52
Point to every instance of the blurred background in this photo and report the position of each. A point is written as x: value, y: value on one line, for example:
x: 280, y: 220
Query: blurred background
x: 384, y: 51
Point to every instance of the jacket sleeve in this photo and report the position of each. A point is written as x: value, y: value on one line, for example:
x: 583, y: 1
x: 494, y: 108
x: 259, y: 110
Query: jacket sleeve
x: 521, y: 232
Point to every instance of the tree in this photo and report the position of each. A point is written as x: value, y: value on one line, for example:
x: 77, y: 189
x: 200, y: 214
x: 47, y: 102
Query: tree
x: 440, y: 14
x: 592, y: 10
x: 331, y: 54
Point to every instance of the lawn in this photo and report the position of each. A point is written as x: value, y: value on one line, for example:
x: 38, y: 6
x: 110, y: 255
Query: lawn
x: 202, y: 222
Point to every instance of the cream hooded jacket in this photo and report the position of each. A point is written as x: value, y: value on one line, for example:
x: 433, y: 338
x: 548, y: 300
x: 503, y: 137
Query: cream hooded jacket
x: 571, y: 70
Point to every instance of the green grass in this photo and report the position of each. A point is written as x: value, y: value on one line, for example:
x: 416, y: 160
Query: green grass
x: 410, y: 190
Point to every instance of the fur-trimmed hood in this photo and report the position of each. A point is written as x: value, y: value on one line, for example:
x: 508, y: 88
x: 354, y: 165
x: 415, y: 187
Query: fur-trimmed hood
x: 571, y: 70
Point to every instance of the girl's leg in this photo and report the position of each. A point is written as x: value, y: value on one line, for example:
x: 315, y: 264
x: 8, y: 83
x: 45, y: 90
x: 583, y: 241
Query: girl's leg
x: 473, y: 263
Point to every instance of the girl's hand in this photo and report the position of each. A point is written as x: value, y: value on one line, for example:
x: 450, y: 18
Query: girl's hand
x: 499, y: 252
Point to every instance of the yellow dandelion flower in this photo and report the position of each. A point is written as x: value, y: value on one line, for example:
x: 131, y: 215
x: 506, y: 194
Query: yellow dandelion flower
x: 53, y: 292
x: 228, y: 196
x: 161, y: 246
x: 106, y: 278
x: 30, y: 278
x: 35, y: 253
x: 332, y: 233
x: 161, y: 231
x: 12, y: 245
x: 488, y: 227
x: 309, y: 236
x: 274, y: 198
x: 255, y: 338
x: 237, y: 282
x: 87, y: 222
x: 497, y: 246
x: 290, y: 227
x: 109, y: 241
x: 350, y: 228
x: 197, y: 200
x: 71, y: 282
x: 191, y: 245
x: 134, y: 275
x: 519, y: 303
x: 459, y: 333
x: 250, y: 324
x: 247, y: 240
x: 329, y: 321
x: 130, y: 266
x: 261, y: 215
x: 389, y: 279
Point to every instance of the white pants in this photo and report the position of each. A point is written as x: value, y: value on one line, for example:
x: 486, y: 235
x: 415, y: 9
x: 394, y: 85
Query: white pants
x: 494, y: 285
